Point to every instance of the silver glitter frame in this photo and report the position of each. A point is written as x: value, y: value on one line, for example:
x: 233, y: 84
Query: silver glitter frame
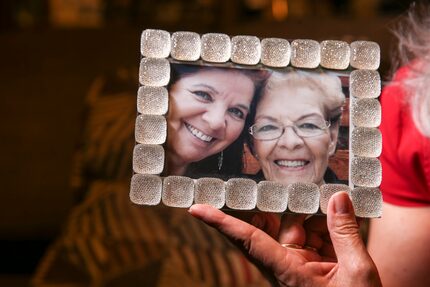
x: 362, y: 58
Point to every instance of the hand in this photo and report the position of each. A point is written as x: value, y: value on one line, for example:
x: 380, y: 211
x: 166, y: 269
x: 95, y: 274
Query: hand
x: 295, y: 252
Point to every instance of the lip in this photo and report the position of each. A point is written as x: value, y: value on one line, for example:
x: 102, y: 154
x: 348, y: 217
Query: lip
x: 198, y: 134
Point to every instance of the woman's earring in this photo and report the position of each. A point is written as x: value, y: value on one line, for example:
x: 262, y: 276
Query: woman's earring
x: 220, y: 159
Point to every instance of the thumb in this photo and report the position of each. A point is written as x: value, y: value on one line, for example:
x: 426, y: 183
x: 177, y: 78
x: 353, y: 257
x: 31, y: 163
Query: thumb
x: 344, y: 231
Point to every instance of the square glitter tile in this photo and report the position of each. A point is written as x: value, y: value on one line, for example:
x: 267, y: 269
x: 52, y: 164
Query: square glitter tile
x: 145, y: 189
x: 154, y: 72
x: 215, y: 48
x: 367, y: 202
x: 178, y: 191
x: 366, y: 142
x: 275, y: 52
x: 303, y: 198
x: 335, y: 54
x: 210, y: 191
x: 365, y: 84
x: 305, y: 53
x: 148, y: 159
x: 366, y: 172
x: 366, y: 113
x: 245, y: 50
x: 155, y: 43
x: 186, y: 46
x: 152, y: 100
x: 150, y: 129
x: 241, y: 193
x: 272, y: 196
x: 365, y: 55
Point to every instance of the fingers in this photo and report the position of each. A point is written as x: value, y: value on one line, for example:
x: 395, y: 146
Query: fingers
x: 344, y: 230
x: 291, y: 230
x: 268, y: 222
x: 259, y: 245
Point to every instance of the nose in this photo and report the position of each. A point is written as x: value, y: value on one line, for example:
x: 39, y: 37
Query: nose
x: 290, y: 139
x: 215, y: 119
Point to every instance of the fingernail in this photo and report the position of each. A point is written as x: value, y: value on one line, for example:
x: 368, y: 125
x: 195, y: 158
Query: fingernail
x: 342, y: 203
x: 191, y: 209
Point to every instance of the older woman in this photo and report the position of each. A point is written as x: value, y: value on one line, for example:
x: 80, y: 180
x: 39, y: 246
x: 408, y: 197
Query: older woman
x: 208, y: 110
x: 296, y: 125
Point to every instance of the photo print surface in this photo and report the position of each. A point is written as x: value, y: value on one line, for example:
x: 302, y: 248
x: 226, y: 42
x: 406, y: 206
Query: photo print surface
x: 279, y: 127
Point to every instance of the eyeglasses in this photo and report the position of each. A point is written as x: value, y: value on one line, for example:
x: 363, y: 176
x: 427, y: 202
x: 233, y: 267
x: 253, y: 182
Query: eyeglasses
x: 303, y: 128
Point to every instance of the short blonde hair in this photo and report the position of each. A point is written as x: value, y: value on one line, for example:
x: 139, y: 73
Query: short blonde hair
x: 328, y: 85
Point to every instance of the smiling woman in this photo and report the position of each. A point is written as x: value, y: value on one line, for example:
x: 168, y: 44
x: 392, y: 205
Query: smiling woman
x: 296, y: 126
x: 209, y: 111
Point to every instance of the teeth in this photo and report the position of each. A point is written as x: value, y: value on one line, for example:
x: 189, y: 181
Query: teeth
x: 199, y: 134
x: 291, y: 163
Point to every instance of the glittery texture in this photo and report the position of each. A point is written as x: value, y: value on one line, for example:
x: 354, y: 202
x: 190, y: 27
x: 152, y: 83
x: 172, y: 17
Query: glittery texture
x: 305, y: 53
x: 150, y: 129
x: 185, y: 46
x: 366, y: 142
x: 152, y: 100
x: 210, y: 191
x: 366, y: 172
x: 178, y: 191
x: 365, y: 55
x: 154, y: 72
x: 272, y: 196
x: 275, y: 52
x: 145, y: 189
x: 245, y: 50
x: 241, y: 194
x: 148, y: 159
x: 327, y: 190
x: 365, y: 84
x: 335, y: 55
x: 215, y: 47
x: 303, y: 197
x: 155, y: 43
x: 366, y: 113
x: 367, y: 202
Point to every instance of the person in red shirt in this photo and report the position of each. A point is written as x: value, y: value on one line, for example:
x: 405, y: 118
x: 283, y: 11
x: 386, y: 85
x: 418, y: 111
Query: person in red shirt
x: 399, y: 242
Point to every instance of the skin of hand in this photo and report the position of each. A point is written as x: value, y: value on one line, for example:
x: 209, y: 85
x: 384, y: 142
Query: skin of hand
x: 333, y: 254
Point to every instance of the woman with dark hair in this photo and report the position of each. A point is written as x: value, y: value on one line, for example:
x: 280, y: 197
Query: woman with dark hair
x: 209, y: 110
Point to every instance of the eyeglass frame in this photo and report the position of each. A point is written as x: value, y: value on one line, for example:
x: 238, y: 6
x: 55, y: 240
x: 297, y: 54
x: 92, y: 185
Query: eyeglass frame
x: 294, y: 127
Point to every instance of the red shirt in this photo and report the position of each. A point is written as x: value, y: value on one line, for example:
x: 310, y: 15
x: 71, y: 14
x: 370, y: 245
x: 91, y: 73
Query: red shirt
x: 405, y: 155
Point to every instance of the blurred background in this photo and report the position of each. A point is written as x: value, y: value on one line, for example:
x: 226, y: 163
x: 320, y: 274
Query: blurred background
x: 52, y: 51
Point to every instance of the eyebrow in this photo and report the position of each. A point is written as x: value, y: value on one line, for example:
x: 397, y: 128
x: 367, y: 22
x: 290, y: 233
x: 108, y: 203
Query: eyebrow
x: 300, y: 118
x: 206, y: 86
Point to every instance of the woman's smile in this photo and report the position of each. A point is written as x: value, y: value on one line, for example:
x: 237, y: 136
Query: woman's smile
x: 293, y: 164
x: 199, y: 134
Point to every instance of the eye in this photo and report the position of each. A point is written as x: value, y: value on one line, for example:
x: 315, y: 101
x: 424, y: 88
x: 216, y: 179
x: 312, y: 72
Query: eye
x: 237, y: 113
x: 202, y: 95
x: 309, y: 126
x: 266, y: 128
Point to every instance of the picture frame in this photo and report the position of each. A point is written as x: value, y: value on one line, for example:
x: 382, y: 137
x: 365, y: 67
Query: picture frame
x: 355, y: 64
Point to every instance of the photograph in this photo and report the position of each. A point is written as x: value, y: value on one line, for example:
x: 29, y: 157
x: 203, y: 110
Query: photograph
x: 286, y: 125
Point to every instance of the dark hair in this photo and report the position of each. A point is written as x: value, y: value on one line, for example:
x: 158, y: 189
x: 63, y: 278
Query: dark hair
x: 232, y: 156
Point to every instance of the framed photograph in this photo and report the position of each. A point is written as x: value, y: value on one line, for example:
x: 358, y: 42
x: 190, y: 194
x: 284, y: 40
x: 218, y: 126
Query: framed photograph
x: 256, y: 124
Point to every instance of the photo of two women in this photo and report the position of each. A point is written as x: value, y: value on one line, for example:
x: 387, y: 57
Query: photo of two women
x: 278, y: 125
